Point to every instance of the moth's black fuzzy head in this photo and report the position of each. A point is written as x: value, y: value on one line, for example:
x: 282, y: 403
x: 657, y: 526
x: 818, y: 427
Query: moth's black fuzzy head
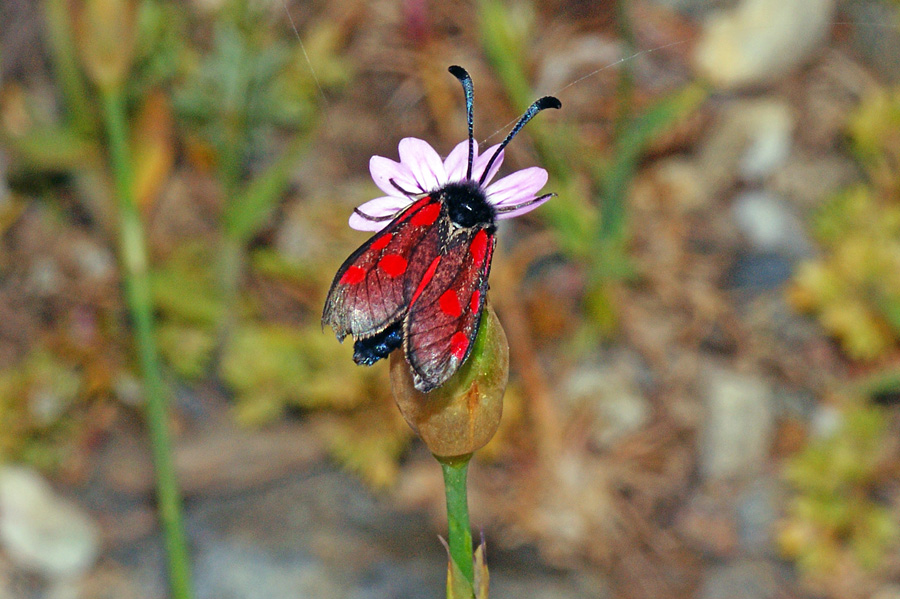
x: 467, y: 204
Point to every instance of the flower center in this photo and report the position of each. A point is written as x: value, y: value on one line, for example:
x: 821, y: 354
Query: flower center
x: 467, y: 204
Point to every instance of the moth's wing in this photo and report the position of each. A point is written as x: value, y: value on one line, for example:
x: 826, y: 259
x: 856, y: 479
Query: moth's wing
x: 368, y: 293
x: 445, y: 310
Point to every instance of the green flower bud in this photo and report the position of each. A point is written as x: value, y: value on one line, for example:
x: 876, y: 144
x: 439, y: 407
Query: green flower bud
x: 463, y: 414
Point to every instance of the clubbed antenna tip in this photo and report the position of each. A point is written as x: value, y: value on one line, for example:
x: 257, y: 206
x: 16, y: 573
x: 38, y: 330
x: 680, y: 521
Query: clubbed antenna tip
x: 463, y: 76
x: 538, y: 105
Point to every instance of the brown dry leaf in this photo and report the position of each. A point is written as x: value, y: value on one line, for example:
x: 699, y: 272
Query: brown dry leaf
x: 482, y: 576
x: 154, y: 151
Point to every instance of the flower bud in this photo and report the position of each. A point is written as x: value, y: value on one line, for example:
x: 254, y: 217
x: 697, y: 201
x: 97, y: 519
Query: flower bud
x: 463, y: 414
x: 106, y: 32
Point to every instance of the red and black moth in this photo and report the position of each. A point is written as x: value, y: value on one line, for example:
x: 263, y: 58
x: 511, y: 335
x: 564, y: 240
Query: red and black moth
x: 421, y: 281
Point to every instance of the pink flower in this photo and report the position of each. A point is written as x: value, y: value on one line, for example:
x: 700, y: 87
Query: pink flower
x: 421, y: 171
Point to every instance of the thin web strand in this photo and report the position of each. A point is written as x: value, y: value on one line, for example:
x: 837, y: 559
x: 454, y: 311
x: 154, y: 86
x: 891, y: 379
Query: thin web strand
x: 640, y: 53
x: 591, y: 74
x: 312, y: 70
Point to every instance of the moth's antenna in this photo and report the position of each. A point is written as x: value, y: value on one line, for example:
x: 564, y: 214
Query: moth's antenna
x: 539, y: 105
x: 461, y: 74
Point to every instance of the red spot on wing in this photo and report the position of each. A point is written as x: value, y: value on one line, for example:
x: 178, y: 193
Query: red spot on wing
x: 449, y: 303
x: 473, y: 304
x: 381, y: 243
x: 414, y: 208
x: 478, y: 247
x: 426, y: 216
x: 459, y: 343
x: 352, y: 276
x: 393, y: 265
x: 426, y: 278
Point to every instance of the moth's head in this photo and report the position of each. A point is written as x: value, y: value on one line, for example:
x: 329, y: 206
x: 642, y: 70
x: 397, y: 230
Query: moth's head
x: 467, y: 204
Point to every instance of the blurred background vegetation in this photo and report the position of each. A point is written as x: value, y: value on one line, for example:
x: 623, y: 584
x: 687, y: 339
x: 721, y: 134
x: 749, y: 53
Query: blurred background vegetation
x: 704, y: 325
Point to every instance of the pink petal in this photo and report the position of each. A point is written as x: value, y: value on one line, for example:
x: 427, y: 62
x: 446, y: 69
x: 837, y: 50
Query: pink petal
x: 517, y: 187
x: 481, y: 162
x: 384, y: 206
x: 384, y: 169
x: 423, y: 162
x: 523, y: 209
x: 458, y: 160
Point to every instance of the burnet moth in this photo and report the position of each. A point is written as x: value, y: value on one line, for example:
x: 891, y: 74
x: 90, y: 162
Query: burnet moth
x: 420, y: 281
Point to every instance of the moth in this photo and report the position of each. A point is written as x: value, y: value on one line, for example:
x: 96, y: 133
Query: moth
x: 421, y: 280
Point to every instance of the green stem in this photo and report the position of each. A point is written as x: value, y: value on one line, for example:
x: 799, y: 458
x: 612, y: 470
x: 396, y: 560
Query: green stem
x: 133, y: 255
x: 460, y: 533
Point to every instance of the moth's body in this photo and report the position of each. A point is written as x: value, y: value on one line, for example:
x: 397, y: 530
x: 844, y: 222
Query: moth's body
x: 420, y: 282
x: 449, y: 235
x: 466, y: 207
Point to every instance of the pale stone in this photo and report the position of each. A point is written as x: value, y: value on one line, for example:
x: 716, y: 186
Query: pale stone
x: 738, y: 427
x: 41, y: 531
x: 760, y: 40
x: 750, y: 140
x: 769, y: 225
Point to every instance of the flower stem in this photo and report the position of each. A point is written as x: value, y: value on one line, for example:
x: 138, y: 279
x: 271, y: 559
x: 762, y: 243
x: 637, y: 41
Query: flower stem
x: 133, y: 255
x: 460, y: 533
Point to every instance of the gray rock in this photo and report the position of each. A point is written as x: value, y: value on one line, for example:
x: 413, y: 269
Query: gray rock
x: 45, y: 277
x: 826, y: 421
x: 738, y: 424
x: 770, y: 141
x: 740, y: 580
x: 610, y: 392
x: 231, y: 569
x: 889, y: 591
x: 545, y: 587
x: 41, y: 531
x: 407, y: 580
x: 750, y: 138
x: 95, y: 262
x: 694, y: 8
x: 322, y: 535
x: 63, y: 589
x: 128, y: 389
x: 758, y: 272
x: 757, y: 513
x: 769, y: 225
x: 761, y: 40
x: 875, y: 34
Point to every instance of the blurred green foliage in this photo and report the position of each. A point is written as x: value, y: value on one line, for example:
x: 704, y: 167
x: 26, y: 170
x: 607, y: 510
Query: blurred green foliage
x: 835, y: 524
x: 854, y: 287
x: 272, y: 368
x: 188, y: 301
x: 230, y: 92
x: 234, y: 91
x: 247, y: 86
x: 35, y: 399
